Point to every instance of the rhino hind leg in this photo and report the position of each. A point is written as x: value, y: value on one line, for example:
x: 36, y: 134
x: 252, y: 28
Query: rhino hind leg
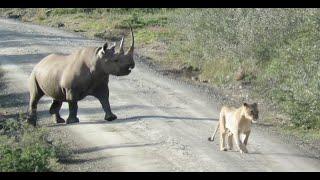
x: 35, y: 95
x: 73, y: 110
x: 32, y: 118
x: 54, y: 109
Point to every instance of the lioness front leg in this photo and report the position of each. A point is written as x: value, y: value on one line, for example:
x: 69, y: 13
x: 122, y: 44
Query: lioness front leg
x: 245, y: 142
x: 239, y: 144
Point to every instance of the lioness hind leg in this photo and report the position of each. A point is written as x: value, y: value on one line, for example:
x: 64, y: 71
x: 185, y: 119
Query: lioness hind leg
x: 230, y: 141
x: 223, y: 131
x: 222, y: 140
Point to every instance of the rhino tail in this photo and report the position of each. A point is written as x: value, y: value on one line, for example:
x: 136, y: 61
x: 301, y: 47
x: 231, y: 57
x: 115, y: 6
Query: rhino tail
x: 33, y: 85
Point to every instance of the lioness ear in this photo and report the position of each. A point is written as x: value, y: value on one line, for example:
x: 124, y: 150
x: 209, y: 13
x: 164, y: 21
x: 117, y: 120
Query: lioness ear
x: 245, y: 104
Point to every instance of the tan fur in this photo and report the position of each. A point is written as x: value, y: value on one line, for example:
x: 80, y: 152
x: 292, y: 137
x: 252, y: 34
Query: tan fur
x: 234, y: 122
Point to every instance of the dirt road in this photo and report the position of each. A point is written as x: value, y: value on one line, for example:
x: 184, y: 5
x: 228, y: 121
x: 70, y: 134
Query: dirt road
x: 162, y: 125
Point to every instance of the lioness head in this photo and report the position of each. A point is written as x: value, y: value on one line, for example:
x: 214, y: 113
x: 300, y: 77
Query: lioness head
x: 251, y: 111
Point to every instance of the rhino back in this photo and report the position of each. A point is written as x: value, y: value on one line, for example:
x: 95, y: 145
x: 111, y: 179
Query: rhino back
x: 48, y: 74
x: 68, y: 77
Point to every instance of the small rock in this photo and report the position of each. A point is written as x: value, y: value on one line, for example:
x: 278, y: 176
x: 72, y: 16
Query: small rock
x: 60, y: 25
x: 79, y: 30
x: 240, y: 74
x: 196, y: 69
x: 13, y: 16
x: 194, y: 78
x: 48, y: 12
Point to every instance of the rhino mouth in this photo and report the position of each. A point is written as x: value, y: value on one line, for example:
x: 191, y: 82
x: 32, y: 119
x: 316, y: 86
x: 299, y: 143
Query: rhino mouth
x: 125, y: 71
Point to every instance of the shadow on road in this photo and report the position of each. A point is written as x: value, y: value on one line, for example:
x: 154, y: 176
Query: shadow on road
x: 100, y: 148
x: 134, y: 118
x: 286, y: 154
x: 80, y: 161
x: 21, y: 59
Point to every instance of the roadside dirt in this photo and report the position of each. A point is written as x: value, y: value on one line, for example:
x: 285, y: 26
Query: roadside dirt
x: 163, y: 124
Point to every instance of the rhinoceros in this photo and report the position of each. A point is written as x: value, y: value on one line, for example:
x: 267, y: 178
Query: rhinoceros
x: 70, y: 78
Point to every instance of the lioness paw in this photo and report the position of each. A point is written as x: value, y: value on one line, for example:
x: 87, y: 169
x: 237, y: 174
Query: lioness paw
x: 223, y: 149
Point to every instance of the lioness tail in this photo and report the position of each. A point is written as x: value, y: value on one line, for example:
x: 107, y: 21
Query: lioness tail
x: 214, y: 133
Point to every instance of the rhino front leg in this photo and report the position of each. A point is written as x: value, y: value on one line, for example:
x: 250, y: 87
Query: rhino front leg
x: 102, y: 94
x: 106, y: 107
x: 73, y: 110
x: 54, y: 109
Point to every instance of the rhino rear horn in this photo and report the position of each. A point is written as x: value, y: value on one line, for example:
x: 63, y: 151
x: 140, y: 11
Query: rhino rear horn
x: 130, y: 51
x: 121, y: 51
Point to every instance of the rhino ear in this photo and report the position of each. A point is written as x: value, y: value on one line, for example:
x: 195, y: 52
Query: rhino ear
x: 103, y: 50
x: 113, y: 46
x: 105, y: 46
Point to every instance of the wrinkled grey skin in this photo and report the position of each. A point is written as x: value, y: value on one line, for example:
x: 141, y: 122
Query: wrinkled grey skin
x: 72, y: 77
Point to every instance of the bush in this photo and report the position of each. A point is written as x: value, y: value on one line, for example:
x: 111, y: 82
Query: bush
x: 24, y: 148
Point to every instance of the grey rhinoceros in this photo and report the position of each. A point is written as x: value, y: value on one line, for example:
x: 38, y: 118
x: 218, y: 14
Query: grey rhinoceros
x: 70, y: 78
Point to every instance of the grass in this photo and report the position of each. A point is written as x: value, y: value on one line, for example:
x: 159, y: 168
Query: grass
x: 276, y: 48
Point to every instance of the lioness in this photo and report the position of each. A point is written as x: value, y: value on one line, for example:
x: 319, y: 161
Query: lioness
x: 236, y: 122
